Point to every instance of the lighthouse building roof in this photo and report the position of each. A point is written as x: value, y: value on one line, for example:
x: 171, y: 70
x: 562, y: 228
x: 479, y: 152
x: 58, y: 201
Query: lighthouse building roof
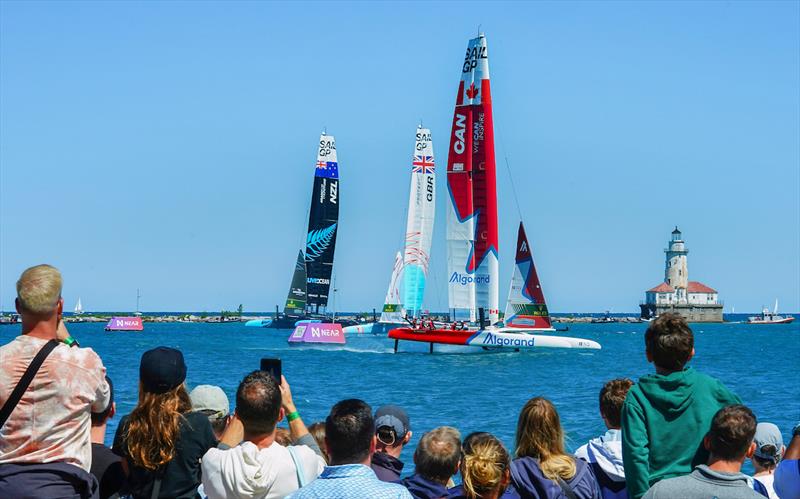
x: 662, y: 288
x: 699, y: 287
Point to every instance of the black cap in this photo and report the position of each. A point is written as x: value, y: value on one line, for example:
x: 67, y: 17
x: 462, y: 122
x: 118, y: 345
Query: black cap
x: 162, y: 369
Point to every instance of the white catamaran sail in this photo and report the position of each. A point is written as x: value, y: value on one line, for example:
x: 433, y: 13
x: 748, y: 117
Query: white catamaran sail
x: 419, y: 227
x: 78, y: 307
x: 391, y: 307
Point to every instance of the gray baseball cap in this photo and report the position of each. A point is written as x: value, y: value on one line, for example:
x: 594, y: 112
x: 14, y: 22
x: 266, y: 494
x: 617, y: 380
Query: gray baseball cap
x: 393, y: 417
x: 769, y: 442
x: 210, y: 398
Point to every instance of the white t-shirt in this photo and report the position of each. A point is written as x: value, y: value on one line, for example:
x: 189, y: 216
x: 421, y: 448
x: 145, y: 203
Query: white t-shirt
x: 247, y: 471
x: 768, y: 479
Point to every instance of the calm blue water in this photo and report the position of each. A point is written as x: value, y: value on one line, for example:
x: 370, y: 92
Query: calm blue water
x: 470, y: 392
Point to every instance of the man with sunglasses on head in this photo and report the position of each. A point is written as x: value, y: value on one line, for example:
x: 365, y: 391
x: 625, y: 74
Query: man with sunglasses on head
x: 393, y: 432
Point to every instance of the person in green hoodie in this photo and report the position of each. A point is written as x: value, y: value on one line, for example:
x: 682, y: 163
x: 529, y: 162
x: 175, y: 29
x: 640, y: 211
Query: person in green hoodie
x: 666, y: 415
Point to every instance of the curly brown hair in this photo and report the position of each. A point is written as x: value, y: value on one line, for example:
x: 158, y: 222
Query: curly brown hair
x: 153, y: 426
x: 612, y: 395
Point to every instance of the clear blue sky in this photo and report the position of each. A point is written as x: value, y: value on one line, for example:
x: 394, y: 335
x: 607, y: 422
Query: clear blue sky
x: 171, y: 146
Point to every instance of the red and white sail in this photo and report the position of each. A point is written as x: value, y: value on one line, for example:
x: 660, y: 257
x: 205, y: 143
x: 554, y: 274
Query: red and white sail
x: 472, y: 239
x: 392, y: 311
x: 419, y: 227
x: 526, y: 307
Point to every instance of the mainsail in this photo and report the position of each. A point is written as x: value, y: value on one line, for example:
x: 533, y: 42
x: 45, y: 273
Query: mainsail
x: 391, y: 307
x: 419, y: 227
x: 472, y: 241
x: 78, y: 307
x: 296, y: 301
x: 322, y: 224
x: 526, y: 307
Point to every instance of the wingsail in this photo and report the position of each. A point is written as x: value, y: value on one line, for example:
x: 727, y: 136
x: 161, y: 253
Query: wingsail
x: 392, y: 311
x: 323, y: 224
x: 296, y: 300
x: 472, y: 239
x: 419, y: 227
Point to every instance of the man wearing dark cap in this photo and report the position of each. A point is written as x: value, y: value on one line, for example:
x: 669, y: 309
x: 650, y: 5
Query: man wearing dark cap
x: 393, y: 431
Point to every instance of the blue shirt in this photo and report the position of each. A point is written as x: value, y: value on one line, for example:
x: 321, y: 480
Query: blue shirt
x: 350, y: 480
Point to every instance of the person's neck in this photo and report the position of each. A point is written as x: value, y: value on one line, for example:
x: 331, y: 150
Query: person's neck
x: 365, y: 462
x: 392, y: 451
x: 261, y: 441
x: 40, y: 328
x: 99, y: 434
x: 666, y: 372
x: 724, y: 465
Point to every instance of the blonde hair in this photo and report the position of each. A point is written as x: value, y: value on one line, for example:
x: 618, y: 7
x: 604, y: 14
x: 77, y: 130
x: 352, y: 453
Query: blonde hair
x: 154, y: 424
x: 484, y: 465
x: 39, y: 289
x: 540, y: 436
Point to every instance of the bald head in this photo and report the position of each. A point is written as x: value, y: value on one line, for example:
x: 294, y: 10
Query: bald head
x: 39, y: 291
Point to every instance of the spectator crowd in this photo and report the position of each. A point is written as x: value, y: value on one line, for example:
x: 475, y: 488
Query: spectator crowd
x: 675, y: 433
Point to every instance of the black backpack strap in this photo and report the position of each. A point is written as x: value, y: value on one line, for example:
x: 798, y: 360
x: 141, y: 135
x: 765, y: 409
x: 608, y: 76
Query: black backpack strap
x: 25, y: 381
x: 566, y: 488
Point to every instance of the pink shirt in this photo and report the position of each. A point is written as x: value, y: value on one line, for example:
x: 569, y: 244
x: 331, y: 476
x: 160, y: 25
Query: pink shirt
x: 52, y: 420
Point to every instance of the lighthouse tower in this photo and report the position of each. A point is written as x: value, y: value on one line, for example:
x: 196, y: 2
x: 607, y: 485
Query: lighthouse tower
x: 676, y: 273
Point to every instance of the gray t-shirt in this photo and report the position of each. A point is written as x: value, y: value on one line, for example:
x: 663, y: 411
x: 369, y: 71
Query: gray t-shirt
x: 704, y: 483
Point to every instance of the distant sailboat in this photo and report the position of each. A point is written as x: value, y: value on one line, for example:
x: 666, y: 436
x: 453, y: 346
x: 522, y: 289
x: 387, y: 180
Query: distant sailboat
x: 78, y: 308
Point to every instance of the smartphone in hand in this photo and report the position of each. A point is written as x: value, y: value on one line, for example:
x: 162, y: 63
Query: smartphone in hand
x: 272, y: 366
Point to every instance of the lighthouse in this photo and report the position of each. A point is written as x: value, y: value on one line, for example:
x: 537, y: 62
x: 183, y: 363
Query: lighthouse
x: 676, y: 272
x: 692, y: 299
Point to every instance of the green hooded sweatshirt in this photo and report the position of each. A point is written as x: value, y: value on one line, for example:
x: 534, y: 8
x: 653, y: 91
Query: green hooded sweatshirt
x: 664, y: 420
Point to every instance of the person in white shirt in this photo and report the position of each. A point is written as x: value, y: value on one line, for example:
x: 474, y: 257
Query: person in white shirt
x: 769, y: 452
x: 248, y: 462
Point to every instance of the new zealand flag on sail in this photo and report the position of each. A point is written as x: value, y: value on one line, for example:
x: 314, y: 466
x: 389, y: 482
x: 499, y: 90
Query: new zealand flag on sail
x: 327, y: 169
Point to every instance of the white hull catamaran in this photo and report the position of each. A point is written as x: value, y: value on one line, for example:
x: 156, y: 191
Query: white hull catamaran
x: 472, y: 242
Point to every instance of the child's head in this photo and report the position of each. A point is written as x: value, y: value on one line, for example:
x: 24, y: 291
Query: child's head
x: 769, y: 447
x: 669, y: 342
x: 612, y: 395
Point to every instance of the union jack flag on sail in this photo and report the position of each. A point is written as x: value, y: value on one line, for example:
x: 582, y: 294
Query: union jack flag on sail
x: 422, y: 164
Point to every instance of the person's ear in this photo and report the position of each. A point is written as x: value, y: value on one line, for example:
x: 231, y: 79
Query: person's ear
x: 113, y: 410
x: 649, y: 355
x: 16, y: 305
x: 690, y: 355
x: 707, y: 443
x: 60, y: 307
x: 408, y: 437
x: 281, y: 414
x: 373, y: 443
x: 751, y: 449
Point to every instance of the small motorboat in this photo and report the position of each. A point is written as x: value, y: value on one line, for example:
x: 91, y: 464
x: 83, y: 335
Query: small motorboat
x: 768, y: 317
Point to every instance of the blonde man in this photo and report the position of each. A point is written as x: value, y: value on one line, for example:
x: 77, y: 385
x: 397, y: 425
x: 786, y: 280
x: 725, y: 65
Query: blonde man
x: 45, y: 442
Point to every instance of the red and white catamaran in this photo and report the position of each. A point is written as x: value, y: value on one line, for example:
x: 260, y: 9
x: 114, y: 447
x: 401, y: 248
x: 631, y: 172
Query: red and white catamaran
x: 472, y: 240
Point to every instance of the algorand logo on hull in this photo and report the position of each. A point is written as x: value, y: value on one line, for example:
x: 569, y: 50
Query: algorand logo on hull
x: 465, y: 279
x: 501, y: 341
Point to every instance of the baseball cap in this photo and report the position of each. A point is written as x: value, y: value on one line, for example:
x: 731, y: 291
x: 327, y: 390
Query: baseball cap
x: 210, y: 398
x: 391, y: 423
x: 162, y: 369
x: 769, y: 442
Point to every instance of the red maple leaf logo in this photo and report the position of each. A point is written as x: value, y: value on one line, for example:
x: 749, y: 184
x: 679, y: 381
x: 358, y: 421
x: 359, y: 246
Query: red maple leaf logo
x: 472, y: 92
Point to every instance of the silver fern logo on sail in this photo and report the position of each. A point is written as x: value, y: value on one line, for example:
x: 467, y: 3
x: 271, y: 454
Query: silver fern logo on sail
x: 318, y: 241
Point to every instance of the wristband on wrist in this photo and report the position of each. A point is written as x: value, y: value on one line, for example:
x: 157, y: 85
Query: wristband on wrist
x: 71, y: 342
x: 292, y: 416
